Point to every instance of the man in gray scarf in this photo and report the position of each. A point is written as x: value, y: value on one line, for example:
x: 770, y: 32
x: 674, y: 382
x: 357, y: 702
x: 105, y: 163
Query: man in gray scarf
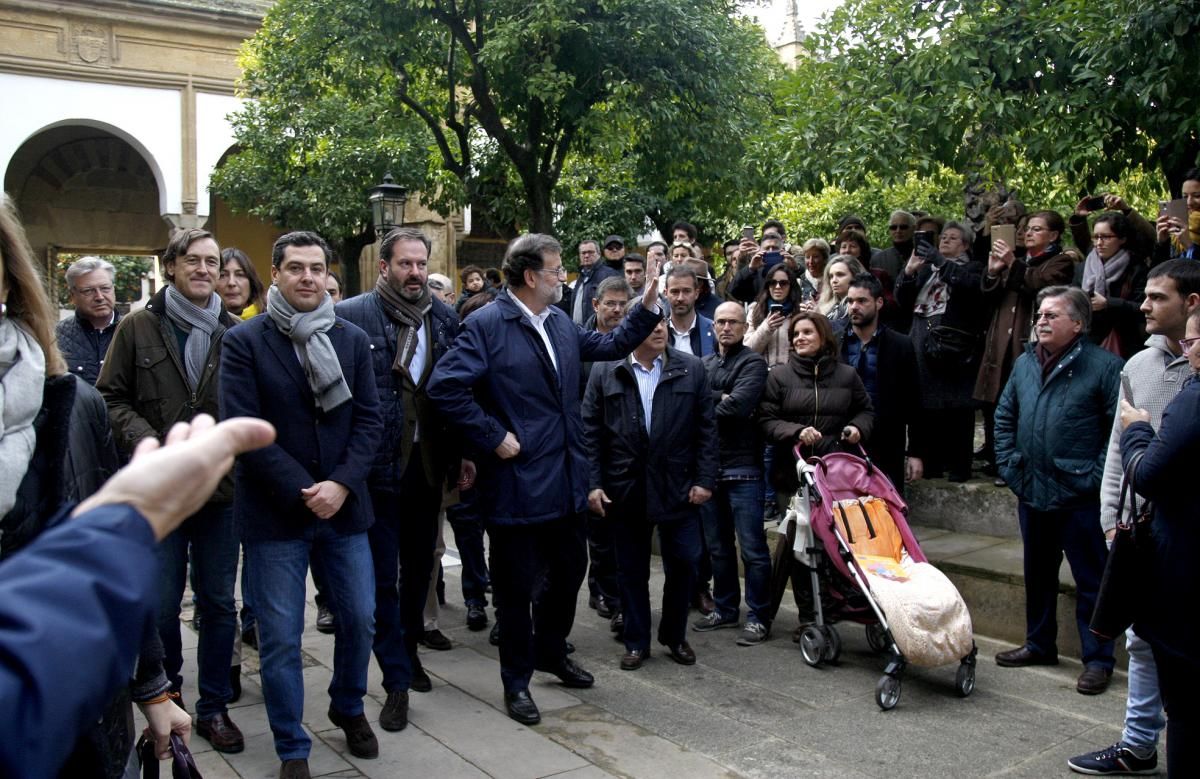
x: 305, y: 497
x: 410, y: 330
x: 161, y: 369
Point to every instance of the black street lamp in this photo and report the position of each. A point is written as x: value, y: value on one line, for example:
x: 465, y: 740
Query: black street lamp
x: 387, y: 205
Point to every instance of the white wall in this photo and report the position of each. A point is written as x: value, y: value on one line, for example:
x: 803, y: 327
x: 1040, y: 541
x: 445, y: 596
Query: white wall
x: 149, y: 119
x: 214, y: 136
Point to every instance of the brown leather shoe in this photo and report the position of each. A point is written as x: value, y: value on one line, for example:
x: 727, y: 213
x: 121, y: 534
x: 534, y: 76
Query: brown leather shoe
x: 1023, y: 656
x: 633, y: 659
x: 704, y: 602
x: 294, y: 769
x: 1093, y: 680
x: 682, y: 653
x: 220, y: 731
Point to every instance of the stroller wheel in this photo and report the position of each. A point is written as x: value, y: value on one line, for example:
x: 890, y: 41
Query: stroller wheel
x: 833, y: 644
x: 964, y: 680
x: 887, y: 692
x: 812, y: 645
x: 877, y: 638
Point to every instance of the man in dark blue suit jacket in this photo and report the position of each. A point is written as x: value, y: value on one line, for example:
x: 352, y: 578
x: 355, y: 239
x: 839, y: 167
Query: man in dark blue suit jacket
x: 511, y: 385
x: 309, y: 374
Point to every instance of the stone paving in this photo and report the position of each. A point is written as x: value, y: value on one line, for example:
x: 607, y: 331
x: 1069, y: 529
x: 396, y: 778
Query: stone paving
x: 739, y: 712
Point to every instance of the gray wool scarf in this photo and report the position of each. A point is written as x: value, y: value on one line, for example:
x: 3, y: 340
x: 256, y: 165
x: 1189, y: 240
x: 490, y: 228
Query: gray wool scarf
x: 308, y: 330
x: 199, y: 324
x: 22, y: 380
x: 1100, y: 276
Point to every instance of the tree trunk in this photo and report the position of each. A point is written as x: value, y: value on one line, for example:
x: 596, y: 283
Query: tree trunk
x: 346, y: 251
x: 539, y: 205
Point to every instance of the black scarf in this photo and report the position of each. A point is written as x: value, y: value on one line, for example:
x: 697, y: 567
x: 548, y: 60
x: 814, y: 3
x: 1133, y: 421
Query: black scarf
x: 409, y: 315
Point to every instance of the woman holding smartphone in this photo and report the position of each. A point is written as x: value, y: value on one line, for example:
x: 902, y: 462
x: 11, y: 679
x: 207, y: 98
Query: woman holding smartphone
x: 779, y: 299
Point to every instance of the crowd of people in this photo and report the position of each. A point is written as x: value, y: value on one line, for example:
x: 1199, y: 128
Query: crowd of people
x: 569, y: 422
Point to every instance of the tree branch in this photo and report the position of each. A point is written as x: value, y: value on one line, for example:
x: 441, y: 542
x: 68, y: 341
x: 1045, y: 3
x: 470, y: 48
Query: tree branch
x: 457, y: 167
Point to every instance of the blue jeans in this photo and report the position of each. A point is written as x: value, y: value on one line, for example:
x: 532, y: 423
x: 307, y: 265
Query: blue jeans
x: 1047, y: 535
x: 736, y: 508
x: 214, y: 552
x: 1144, y: 718
x: 277, y: 586
x: 679, y: 542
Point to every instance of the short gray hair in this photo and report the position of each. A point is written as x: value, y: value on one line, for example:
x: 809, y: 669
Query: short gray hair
x: 439, y: 282
x: 905, y: 217
x: 527, y: 252
x: 968, y: 235
x: 85, y: 265
x: 1079, y: 305
x: 612, y: 284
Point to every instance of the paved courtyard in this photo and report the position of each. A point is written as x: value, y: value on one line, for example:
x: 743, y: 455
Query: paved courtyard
x: 739, y: 712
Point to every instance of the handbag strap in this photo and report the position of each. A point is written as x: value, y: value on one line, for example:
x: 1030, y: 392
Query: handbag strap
x: 1130, y: 487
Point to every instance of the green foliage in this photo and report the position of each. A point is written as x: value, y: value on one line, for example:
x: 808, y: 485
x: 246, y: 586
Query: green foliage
x: 128, y: 281
x: 518, y: 108
x: 1083, y: 90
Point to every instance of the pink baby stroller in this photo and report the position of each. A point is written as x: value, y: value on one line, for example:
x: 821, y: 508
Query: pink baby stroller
x: 865, y: 566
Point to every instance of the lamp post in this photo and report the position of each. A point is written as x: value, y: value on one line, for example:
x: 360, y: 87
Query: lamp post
x: 387, y: 205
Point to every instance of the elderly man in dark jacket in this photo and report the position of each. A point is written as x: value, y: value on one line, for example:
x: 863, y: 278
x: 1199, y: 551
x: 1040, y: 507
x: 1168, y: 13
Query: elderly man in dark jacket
x: 1051, y: 440
x: 409, y: 330
x: 84, y: 338
x: 510, y: 385
x: 162, y: 369
x: 652, y: 440
x: 736, y: 377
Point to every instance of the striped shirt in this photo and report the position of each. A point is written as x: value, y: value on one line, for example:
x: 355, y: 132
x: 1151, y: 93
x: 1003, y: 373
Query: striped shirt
x: 647, y: 381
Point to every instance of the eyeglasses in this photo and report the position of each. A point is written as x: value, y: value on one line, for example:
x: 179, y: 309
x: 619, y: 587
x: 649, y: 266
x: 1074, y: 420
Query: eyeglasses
x: 899, y: 227
x: 778, y: 283
x: 560, y: 271
x: 87, y: 292
x: 1102, y: 237
x: 1032, y: 229
x: 1047, y: 315
x: 1186, y: 343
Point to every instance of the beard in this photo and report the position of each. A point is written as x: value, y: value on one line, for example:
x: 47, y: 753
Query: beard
x: 554, y: 296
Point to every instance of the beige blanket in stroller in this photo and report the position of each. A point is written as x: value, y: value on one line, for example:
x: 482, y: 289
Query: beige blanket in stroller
x: 924, y: 610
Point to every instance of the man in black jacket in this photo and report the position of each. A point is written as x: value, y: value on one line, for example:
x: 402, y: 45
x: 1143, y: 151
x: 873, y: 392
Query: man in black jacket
x: 652, y: 453
x: 591, y: 272
x: 83, y: 339
x: 736, y: 378
x: 885, y: 358
x: 409, y: 329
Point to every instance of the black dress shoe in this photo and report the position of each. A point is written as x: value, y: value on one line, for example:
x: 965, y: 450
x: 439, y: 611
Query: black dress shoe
x: 1023, y: 656
x: 395, y: 711
x: 522, y: 708
x: 494, y: 636
x: 325, y: 621
x: 569, y: 673
x: 436, y: 639
x: 570, y: 647
x: 605, y: 609
x: 477, y: 618
x: 617, y: 623
x: 220, y: 731
x: 294, y: 769
x: 633, y: 659
x: 359, y: 737
x: 682, y: 653
x: 420, y: 681
x: 1093, y: 680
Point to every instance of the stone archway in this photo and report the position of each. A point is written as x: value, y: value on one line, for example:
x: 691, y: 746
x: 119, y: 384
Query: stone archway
x: 83, y: 189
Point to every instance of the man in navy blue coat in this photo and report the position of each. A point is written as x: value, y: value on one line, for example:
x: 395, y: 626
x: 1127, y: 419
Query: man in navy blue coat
x: 309, y: 373
x: 511, y: 385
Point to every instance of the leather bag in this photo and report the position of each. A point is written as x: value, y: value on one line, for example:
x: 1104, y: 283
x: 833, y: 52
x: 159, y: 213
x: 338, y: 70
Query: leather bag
x: 1130, y: 560
x: 183, y: 765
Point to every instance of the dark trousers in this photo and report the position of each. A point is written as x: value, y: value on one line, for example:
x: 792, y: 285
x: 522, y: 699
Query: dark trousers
x: 1179, y: 687
x: 537, y: 570
x: 948, y: 441
x: 736, y: 511
x: 1047, y: 536
x: 464, y: 519
x: 402, y: 541
x: 679, y: 543
x: 209, y: 535
x: 602, y: 561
